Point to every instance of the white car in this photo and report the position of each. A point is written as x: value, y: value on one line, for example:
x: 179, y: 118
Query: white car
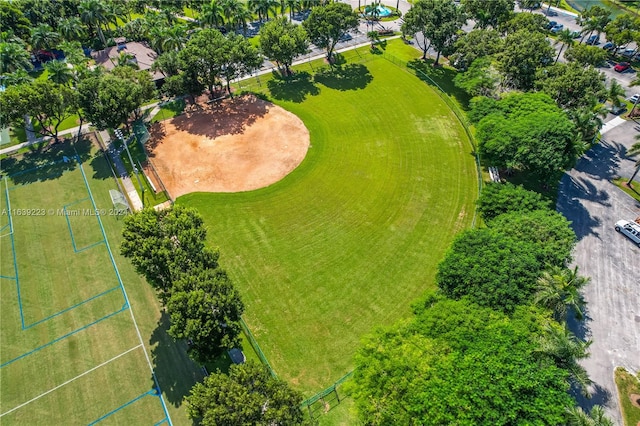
x: 634, y: 99
x: 630, y: 229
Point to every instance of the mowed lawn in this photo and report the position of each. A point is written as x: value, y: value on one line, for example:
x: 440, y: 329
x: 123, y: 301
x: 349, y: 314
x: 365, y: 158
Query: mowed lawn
x: 70, y: 349
x: 352, y: 237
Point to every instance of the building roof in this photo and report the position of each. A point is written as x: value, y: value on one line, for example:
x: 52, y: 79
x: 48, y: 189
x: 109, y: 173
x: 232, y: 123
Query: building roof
x: 145, y: 57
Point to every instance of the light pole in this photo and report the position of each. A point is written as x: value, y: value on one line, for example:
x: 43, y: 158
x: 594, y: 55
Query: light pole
x: 118, y: 133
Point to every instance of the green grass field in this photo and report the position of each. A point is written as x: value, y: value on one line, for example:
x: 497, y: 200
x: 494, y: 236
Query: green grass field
x: 70, y: 349
x: 352, y: 237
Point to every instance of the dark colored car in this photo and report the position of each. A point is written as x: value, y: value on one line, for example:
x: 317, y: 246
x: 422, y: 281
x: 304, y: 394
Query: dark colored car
x: 551, y: 24
x: 622, y: 66
x: 609, y: 46
x: 594, y: 39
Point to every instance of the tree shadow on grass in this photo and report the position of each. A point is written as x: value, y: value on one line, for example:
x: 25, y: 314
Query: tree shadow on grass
x: 45, y: 161
x: 347, y: 77
x: 175, y: 371
x: 293, y: 88
x: 100, y: 166
x: 442, y: 76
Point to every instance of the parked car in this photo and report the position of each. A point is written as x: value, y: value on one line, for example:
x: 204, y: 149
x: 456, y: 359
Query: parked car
x: 634, y: 99
x: 622, y: 66
x: 575, y: 34
x: 550, y: 12
x: 629, y: 229
x: 608, y: 46
x: 594, y: 39
x: 628, y: 53
x: 557, y: 28
x: 551, y: 24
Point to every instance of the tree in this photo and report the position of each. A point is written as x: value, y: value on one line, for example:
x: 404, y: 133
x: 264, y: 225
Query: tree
x: 458, y: 363
x: 559, y: 290
x: 59, y: 72
x: 497, y: 199
x: 247, y: 395
x: 327, y: 24
x: 174, y: 38
x: 588, y: 121
x: 527, y: 132
x: 475, y: 44
x: 489, y: 13
x: 13, y: 57
x: 572, y: 86
x: 532, y: 22
x: 205, y: 308
x: 71, y: 29
x: 164, y: 245
x: 202, y: 56
x: 564, y: 38
x: 168, y: 64
x: 43, y: 37
x: 14, y: 20
x: 47, y: 103
x: 586, y: 55
x: 633, y: 151
x: 438, y: 20
x: 211, y: 15
x: 237, y: 58
x: 621, y: 30
x: 614, y: 93
x: 566, y: 350
x: 523, y: 53
x: 282, y: 41
x: 94, y: 14
x: 596, y: 417
x: 480, y: 79
x: 489, y: 268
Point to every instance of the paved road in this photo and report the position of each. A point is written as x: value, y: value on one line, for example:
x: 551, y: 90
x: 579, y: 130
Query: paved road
x: 594, y: 204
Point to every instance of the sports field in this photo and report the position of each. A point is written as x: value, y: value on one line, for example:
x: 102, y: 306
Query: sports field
x: 352, y: 236
x: 72, y: 352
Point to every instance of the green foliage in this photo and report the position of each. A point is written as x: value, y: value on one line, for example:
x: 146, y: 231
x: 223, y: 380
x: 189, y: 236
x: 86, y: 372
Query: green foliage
x: 585, y: 55
x: 473, y: 45
x: 559, y: 290
x: 13, y: 57
x: 547, y: 230
x: 164, y: 245
x: 572, y: 86
x: 248, y: 395
x: 205, y: 309
x: 523, y: 53
x: 532, y: 22
x: 438, y: 20
x: 526, y: 132
x: 480, y: 79
x: 458, y: 363
x: 489, y: 13
x: 14, y: 20
x: 491, y: 268
x: 282, y: 41
x: 622, y: 30
x: 326, y: 24
x: 497, y: 198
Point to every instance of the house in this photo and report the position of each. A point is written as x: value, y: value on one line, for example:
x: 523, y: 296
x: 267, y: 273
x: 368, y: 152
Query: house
x: 143, y: 57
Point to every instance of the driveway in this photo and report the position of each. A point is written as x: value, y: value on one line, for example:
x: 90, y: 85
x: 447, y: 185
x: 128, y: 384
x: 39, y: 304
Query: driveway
x: 594, y: 204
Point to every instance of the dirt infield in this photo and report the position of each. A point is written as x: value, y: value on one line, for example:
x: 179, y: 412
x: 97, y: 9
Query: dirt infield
x: 235, y: 145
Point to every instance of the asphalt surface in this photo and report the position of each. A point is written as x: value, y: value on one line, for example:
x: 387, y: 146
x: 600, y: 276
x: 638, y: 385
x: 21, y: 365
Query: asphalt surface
x: 593, y: 204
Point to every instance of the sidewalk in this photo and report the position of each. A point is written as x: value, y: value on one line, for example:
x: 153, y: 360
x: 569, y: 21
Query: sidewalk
x: 121, y: 171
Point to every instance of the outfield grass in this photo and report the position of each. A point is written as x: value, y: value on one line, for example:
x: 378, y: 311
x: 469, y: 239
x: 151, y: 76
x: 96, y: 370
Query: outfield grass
x: 628, y: 385
x: 351, y: 237
x: 76, y: 338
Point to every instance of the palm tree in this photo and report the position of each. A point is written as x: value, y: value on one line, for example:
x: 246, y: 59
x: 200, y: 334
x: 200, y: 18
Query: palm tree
x: 126, y: 59
x: 241, y: 18
x: 156, y: 35
x: 71, y: 29
x: 136, y: 30
x: 566, y: 350
x: 294, y: 6
x: 565, y: 37
x: 20, y: 76
x: 229, y: 10
x: 632, y: 152
x: 588, y: 121
x: 615, y: 92
x: 93, y: 13
x: 577, y: 417
x: 174, y: 38
x: 43, y: 37
x: 559, y: 290
x: 167, y: 63
x: 212, y: 14
x: 59, y: 72
x: 13, y: 57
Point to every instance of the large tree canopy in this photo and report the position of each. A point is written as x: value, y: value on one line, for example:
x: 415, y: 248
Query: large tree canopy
x: 282, y: 41
x: 326, y: 24
x: 439, y: 22
x: 205, y: 309
x: 248, y: 395
x: 489, y: 13
x: 572, y: 86
x: 475, y: 44
x: 458, y: 363
x: 164, y: 245
x: 523, y: 53
x: 498, y: 198
x: 526, y: 132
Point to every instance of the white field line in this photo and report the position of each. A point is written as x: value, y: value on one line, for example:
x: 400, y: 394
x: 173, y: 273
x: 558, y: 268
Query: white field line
x: 70, y: 380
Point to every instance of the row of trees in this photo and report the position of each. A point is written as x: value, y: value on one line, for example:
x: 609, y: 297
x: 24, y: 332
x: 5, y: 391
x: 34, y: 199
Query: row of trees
x: 492, y: 347
x: 168, y: 247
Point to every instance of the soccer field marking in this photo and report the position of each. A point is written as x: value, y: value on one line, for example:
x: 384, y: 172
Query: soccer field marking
x: 124, y: 307
x: 124, y: 292
x: 110, y: 413
x: 71, y: 380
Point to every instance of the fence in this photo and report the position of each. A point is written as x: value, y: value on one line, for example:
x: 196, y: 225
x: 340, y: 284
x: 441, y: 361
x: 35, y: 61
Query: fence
x: 460, y: 115
x: 142, y: 136
x: 105, y: 153
x: 256, y: 347
x: 323, y: 396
